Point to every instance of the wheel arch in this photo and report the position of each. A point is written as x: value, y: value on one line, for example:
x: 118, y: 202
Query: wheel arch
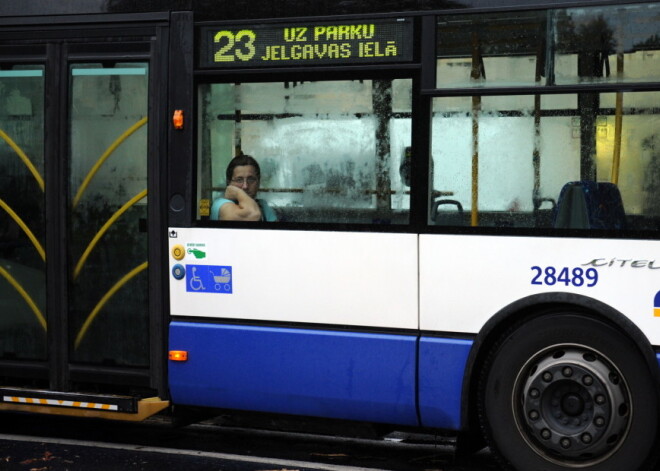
x: 535, y: 306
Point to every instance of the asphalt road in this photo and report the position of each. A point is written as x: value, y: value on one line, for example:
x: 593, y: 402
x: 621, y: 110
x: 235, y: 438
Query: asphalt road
x: 42, y: 443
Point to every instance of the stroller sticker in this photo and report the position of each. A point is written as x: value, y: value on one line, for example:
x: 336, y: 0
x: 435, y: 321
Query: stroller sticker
x: 208, y: 279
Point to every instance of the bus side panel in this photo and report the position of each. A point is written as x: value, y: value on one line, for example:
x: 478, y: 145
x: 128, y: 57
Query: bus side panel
x: 473, y: 278
x: 340, y: 278
x: 343, y: 375
x: 441, y: 370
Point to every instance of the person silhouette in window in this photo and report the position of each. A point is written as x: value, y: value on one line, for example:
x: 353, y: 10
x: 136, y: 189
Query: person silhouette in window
x: 240, y: 202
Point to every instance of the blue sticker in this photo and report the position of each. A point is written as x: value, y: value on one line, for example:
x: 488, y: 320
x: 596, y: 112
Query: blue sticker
x: 208, y: 279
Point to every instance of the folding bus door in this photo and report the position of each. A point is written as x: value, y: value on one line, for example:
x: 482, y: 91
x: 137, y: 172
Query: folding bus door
x: 76, y: 146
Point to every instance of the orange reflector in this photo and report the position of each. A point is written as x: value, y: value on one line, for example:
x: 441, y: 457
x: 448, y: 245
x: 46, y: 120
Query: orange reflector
x: 178, y: 355
x: 177, y: 119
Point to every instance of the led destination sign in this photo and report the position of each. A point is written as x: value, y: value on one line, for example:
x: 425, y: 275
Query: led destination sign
x: 348, y: 42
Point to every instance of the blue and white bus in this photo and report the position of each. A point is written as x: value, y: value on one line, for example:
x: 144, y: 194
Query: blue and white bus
x: 452, y: 222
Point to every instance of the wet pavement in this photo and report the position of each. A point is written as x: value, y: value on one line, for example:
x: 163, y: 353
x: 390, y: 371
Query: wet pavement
x: 47, y: 456
x: 42, y: 443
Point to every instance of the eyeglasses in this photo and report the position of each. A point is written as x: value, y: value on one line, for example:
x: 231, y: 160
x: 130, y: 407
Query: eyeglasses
x: 241, y: 180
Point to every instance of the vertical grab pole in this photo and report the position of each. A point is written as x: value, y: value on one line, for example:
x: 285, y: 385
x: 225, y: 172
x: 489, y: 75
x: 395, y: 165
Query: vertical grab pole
x: 618, y: 123
x: 478, y: 71
x: 476, y: 107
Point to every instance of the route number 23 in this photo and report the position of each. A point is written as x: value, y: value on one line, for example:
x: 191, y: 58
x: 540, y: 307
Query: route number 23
x: 232, y: 46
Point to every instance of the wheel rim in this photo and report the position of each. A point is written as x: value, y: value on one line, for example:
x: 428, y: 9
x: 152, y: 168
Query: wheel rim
x: 572, y: 405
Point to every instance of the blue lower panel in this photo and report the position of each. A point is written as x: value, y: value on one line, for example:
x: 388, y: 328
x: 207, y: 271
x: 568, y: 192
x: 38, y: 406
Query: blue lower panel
x: 342, y: 375
x: 441, y: 370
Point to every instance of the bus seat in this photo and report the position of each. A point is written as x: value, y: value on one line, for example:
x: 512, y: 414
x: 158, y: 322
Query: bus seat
x: 447, y: 218
x: 590, y: 205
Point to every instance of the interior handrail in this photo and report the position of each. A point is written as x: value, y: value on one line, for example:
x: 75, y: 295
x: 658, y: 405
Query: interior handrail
x: 25, y: 228
x: 26, y: 160
x: 95, y: 168
x: 106, y: 297
x: 26, y: 297
x: 104, y: 229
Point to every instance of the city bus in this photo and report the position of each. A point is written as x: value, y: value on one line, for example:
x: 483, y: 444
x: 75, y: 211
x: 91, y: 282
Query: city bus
x: 457, y: 224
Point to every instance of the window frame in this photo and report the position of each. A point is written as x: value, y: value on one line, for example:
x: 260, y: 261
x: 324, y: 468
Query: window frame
x: 294, y: 74
x: 430, y: 90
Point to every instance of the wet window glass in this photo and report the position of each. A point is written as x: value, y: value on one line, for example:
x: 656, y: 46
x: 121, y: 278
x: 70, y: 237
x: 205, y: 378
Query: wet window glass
x: 579, y: 161
x: 606, y: 45
x: 108, y: 316
x: 326, y: 151
x: 555, y: 47
x: 22, y: 222
x: 493, y: 49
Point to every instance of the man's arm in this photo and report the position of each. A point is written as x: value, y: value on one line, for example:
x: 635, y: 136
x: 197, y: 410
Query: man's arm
x: 245, y: 208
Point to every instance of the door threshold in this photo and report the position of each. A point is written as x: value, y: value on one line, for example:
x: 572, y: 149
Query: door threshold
x: 103, y: 406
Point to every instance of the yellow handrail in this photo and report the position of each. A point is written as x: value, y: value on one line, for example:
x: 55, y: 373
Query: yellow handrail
x: 26, y: 229
x: 25, y: 296
x: 125, y: 279
x: 104, y: 157
x: 477, y: 72
x: 24, y: 158
x: 474, y: 212
x: 618, y: 124
x: 616, y: 155
x: 104, y: 229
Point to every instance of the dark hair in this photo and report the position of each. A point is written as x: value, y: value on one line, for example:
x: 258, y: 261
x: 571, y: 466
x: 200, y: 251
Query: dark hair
x: 240, y: 160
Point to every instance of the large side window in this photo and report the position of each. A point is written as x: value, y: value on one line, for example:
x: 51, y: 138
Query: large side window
x: 519, y: 170
x: 327, y: 151
x: 582, y: 160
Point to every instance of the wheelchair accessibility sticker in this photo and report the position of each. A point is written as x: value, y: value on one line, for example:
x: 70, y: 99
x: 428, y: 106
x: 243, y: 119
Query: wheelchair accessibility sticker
x: 208, y: 279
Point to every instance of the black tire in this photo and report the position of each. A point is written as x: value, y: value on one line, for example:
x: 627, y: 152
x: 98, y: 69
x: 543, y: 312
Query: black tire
x: 567, y: 391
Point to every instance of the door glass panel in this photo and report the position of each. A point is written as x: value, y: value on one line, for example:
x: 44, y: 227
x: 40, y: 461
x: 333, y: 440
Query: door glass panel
x: 108, y: 317
x: 22, y: 231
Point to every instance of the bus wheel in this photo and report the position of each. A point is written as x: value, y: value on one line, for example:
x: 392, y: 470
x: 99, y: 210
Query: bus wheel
x: 565, y: 391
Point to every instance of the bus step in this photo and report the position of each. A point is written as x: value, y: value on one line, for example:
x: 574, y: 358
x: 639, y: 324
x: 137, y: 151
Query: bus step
x: 77, y: 404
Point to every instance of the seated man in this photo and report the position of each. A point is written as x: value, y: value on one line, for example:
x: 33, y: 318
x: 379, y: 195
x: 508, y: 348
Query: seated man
x: 240, y: 202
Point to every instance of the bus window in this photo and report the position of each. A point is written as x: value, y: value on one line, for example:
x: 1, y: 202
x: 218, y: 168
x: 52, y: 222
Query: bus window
x: 565, y: 46
x: 505, y: 160
x: 483, y: 150
x: 606, y: 45
x: 497, y: 157
x: 328, y: 151
x: 477, y: 51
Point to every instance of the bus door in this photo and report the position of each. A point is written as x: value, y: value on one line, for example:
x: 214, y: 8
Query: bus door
x: 76, y: 216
